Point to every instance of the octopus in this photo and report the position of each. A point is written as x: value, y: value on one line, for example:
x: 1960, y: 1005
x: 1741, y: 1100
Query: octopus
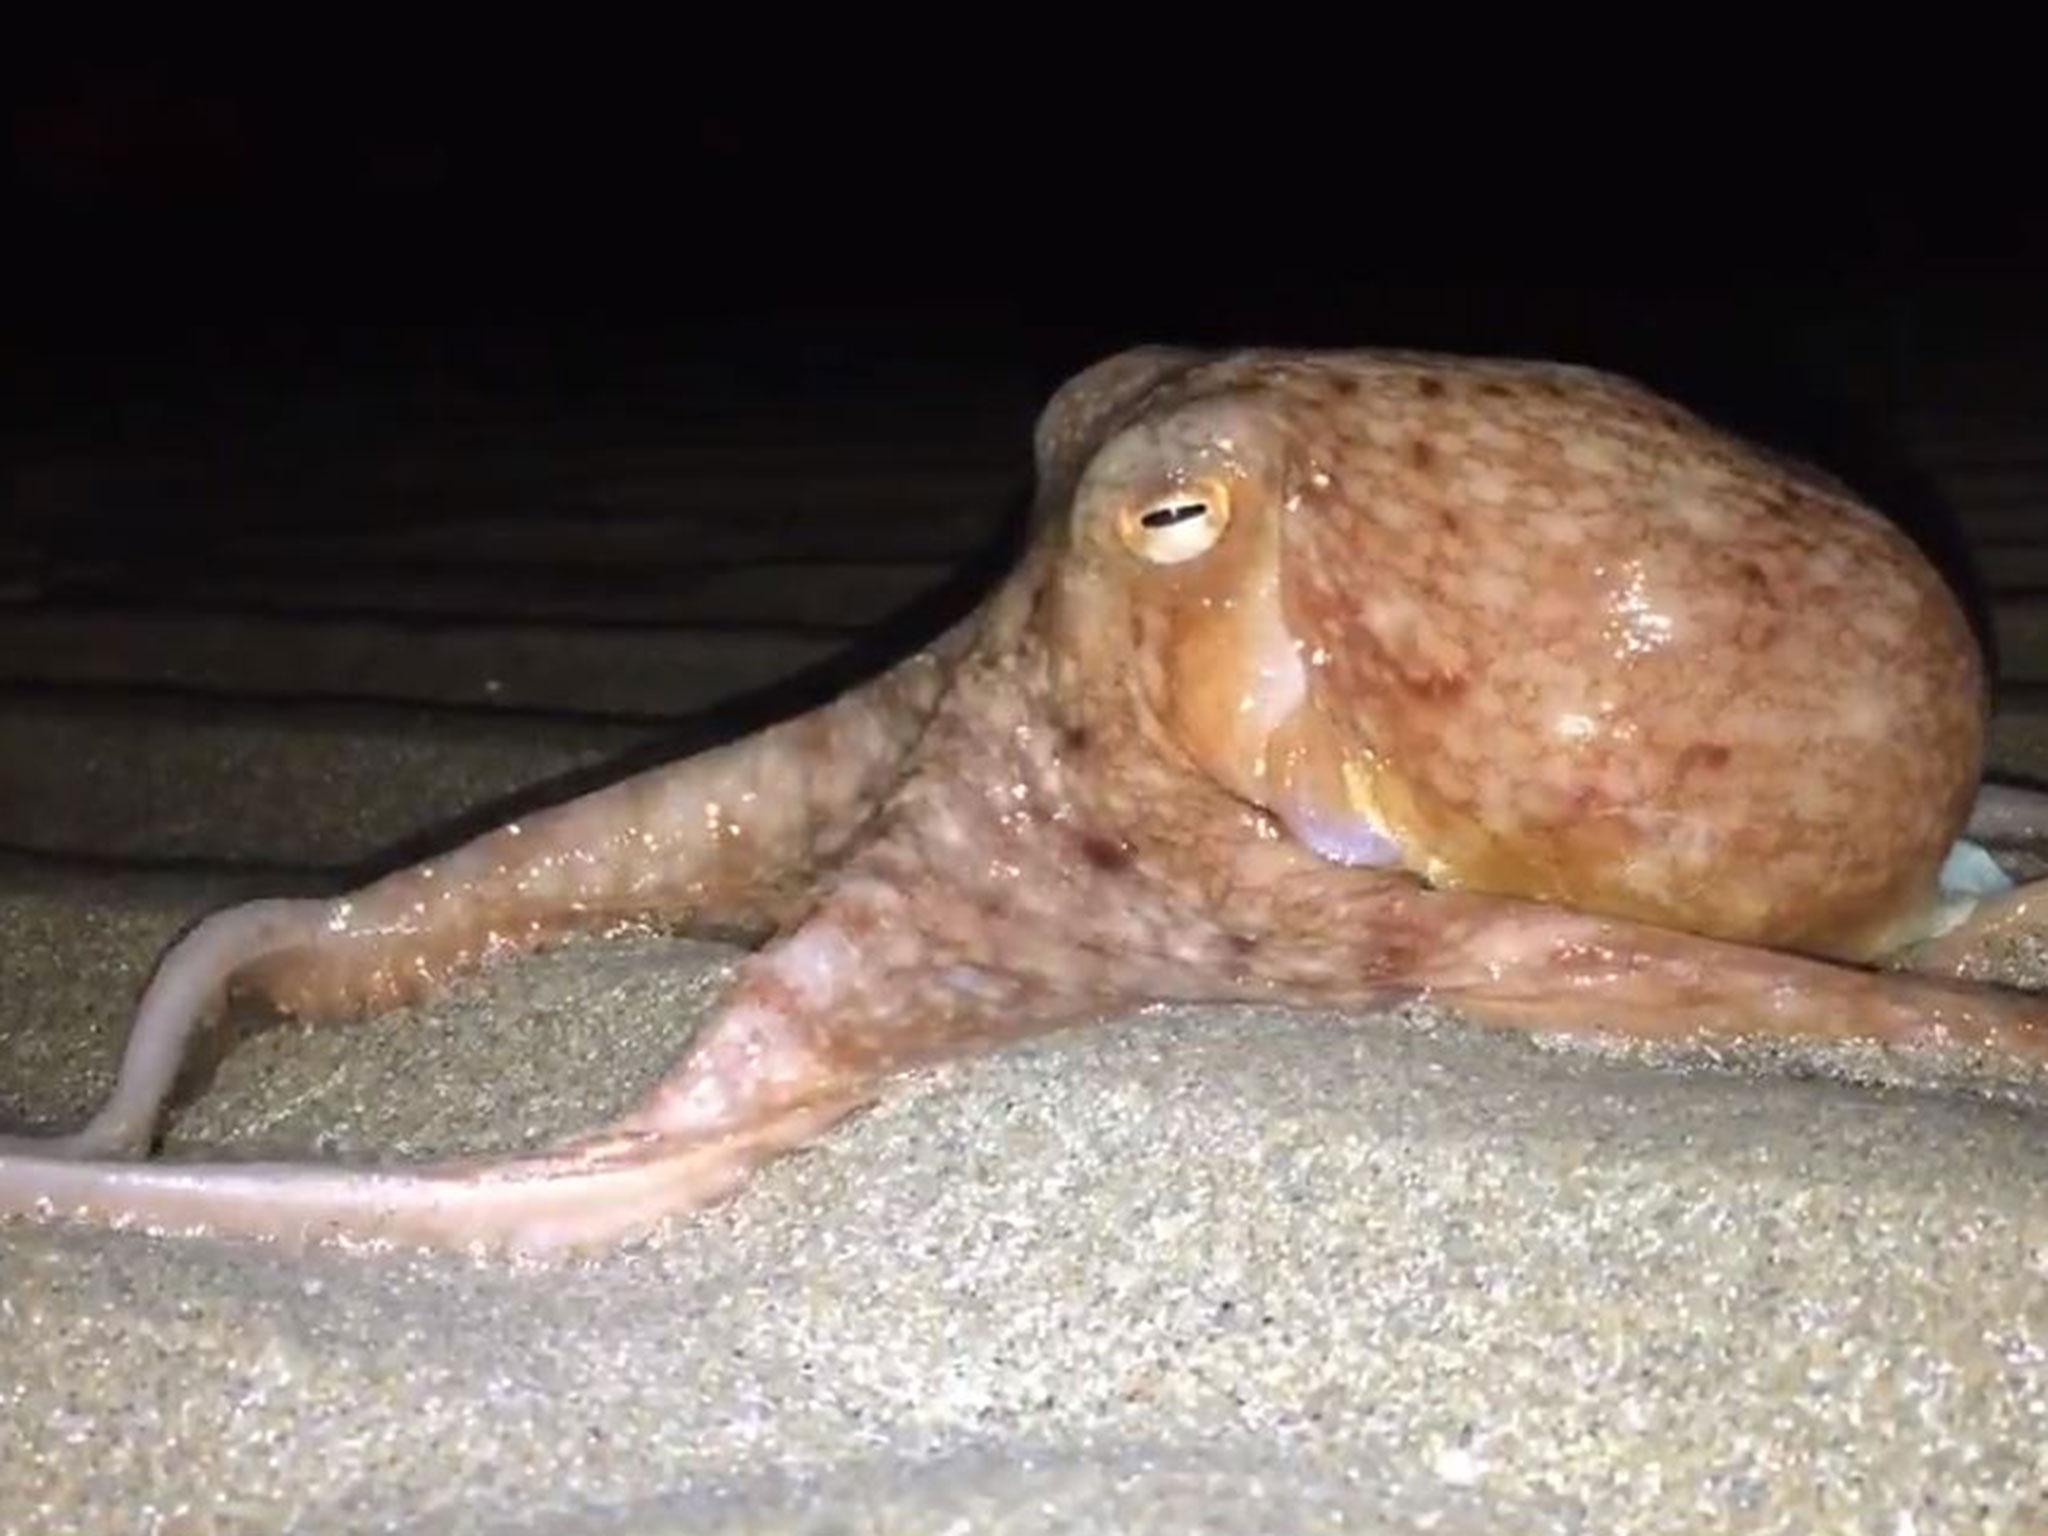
x: 1325, y: 678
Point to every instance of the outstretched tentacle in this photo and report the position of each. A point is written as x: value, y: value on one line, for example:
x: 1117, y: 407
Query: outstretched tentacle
x: 184, y: 993
x: 815, y: 1023
x: 908, y: 955
x: 728, y: 839
x: 596, y: 1190
x: 759, y: 1079
x: 1530, y: 966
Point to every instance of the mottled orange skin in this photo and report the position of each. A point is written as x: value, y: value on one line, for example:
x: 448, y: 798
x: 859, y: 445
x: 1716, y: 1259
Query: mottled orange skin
x: 1329, y: 678
x: 1565, y: 641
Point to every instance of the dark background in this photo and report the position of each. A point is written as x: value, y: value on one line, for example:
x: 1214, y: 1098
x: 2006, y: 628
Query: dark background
x: 274, y: 273
x: 305, y: 221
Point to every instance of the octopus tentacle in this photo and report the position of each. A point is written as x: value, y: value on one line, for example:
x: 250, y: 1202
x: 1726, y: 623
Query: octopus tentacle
x: 813, y: 1026
x: 886, y: 974
x: 183, y: 994
x: 729, y: 839
x: 905, y: 958
x: 1997, y: 929
x: 595, y: 1190
x: 751, y: 1085
x: 1524, y: 965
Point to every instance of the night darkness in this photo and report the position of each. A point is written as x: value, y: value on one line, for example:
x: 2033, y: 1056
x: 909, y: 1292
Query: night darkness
x: 277, y: 275
x: 523, y: 229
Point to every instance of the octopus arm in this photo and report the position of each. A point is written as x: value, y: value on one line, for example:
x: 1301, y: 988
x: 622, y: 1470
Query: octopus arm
x: 581, y: 1194
x: 725, y: 840
x: 1549, y: 969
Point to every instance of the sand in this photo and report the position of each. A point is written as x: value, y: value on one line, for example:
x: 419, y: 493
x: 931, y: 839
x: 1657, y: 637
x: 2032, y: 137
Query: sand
x: 1192, y: 1269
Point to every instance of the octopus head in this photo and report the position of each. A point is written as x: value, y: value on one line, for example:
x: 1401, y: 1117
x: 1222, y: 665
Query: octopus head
x: 1175, y: 533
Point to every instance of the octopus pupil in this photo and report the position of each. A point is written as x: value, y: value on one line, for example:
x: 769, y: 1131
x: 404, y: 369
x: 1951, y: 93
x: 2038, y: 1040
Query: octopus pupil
x: 1180, y: 512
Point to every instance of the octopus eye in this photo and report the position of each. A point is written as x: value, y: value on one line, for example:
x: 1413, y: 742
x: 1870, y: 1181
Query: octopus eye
x: 1176, y: 528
